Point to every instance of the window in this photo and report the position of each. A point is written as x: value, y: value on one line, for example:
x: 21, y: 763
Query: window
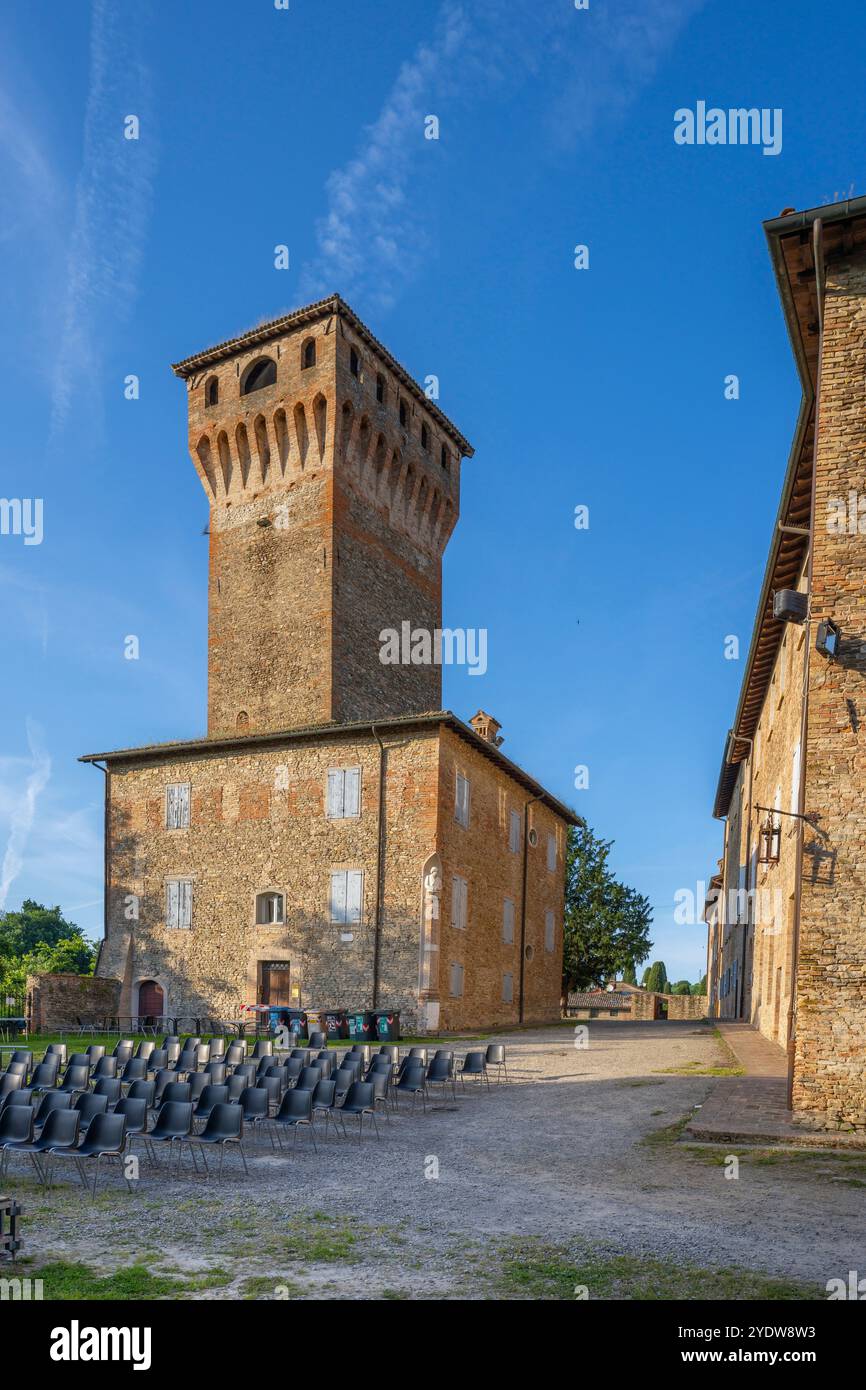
x: 380, y: 389
x: 308, y: 354
x: 549, y: 931
x: 508, y: 922
x: 459, y: 902
x: 445, y: 458
x: 514, y: 832
x: 262, y: 373
x: 507, y: 989
x: 178, y: 903
x: 270, y: 909
x: 212, y: 391
x: 425, y: 438
x: 347, y: 891
x: 404, y: 414
x: 177, y: 806
x: 456, y: 980
x: 461, y: 801
x: 551, y: 853
x: 354, y: 362
x: 344, y: 793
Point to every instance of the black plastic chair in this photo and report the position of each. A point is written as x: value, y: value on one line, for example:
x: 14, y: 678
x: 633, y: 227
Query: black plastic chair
x: 263, y: 1048
x: 175, y: 1092
x: 440, y: 1072
x: 325, y: 1102
x: 105, y: 1067
x: 169, y: 1039
x: 344, y: 1078
x: 235, y: 1054
x: 295, y: 1112
x: 95, y: 1052
x: 142, y: 1090
x: 413, y: 1082
x: 359, y: 1101
x: 44, y: 1076
x: 52, y: 1100
x: 225, y: 1126
x: 157, y: 1061
x: 16, y: 1132
x: 308, y: 1079
x: 123, y: 1051
x: 293, y: 1068
x: 59, y: 1133
x: 282, y: 1075
x: 328, y: 1062
x: 381, y: 1082
x: 23, y: 1097
x: 474, y: 1065
x: 56, y: 1050
x: 495, y: 1057
x: 418, y: 1054
x: 255, y: 1103
x: 173, y: 1126
x: 249, y: 1070
x: 237, y: 1085
x: 164, y: 1077
x: 216, y: 1073
x: 317, y: 1040
x: 111, y: 1087
x: 105, y: 1138
x: 197, y: 1080
x: 274, y: 1088
x: 146, y: 1048
x: 299, y: 1054
x: 76, y: 1078
x: 17, y: 1069
x: 134, y: 1111
x: 211, y: 1095
x: 22, y: 1054
x: 136, y: 1069
x: 82, y: 1059
x: 89, y: 1106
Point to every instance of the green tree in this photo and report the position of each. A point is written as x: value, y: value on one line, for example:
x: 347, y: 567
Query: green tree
x: 681, y: 987
x: 628, y: 975
x: 701, y: 986
x: 656, y: 978
x: 40, y: 938
x: 606, y: 923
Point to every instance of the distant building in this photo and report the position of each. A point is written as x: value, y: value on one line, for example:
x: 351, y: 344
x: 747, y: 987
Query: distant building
x: 787, y: 920
x: 337, y: 839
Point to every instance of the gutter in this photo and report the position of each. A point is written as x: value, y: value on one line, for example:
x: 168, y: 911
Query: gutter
x: 105, y: 860
x: 380, y: 854
x: 526, y: 806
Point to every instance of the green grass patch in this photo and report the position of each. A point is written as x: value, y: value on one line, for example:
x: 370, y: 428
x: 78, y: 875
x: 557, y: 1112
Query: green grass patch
x: 72, y: 1281
x: 532, y: 1270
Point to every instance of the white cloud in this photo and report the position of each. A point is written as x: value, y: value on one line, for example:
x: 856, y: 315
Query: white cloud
x: 372, y: 237
x: 23, y: 811
x: 113, y: 197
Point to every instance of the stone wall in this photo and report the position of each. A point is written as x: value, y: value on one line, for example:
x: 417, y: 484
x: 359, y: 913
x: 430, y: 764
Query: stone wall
x: 686, y: 1006
x: 830, y: 1057
x: 56, y: 1002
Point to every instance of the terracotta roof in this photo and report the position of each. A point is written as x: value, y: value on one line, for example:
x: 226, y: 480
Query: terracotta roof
x: 790, y: 242
x: 598, y: 999
x: 168, y: 752
x: 334, y: 304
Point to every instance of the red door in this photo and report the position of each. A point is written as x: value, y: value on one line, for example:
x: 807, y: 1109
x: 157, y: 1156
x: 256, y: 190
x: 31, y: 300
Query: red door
x: 151, y: 999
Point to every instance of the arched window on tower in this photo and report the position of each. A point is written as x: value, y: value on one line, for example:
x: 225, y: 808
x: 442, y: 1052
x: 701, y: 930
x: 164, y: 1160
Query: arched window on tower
x: 425, y: 438
x: 212, y: 391
x: 380, y: 389
x: 308, y: 354
x: 260, y: 374
x: 354, y: 362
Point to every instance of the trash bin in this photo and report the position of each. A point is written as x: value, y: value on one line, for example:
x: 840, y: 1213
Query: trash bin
x: 358, y: 1021
x: 336, y: 1023
x: 386, y: 1025
x: 315, y: 1022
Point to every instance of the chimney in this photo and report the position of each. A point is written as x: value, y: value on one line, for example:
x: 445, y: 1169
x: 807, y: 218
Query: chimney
x: 487, y: 728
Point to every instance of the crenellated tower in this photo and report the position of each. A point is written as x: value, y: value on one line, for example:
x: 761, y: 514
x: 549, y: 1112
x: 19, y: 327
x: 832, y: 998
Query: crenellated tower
x: 334, y: 486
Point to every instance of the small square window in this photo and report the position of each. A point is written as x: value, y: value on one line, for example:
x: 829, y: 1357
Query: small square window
x: 270, y: 909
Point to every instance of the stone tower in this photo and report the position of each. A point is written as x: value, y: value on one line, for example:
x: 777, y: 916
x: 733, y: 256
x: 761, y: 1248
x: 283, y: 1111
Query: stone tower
x: 334, y: 485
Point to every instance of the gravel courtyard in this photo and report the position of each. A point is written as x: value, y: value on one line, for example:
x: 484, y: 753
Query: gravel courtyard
x: 572, y: 1176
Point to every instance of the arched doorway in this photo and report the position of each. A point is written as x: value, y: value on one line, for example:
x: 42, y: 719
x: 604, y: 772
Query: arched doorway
x: 151, y: 1000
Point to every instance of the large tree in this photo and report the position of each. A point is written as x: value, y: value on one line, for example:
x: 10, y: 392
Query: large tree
x: 40, y: 938
x: 606, y: 923
x: 656, y: 978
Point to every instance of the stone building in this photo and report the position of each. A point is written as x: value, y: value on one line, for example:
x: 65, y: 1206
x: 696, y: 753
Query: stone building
x: 787, y: 929
x: 337, y: 839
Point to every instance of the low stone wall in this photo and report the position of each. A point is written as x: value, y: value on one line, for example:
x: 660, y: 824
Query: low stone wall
x: 56, y: 1002
x: 687, y: 1005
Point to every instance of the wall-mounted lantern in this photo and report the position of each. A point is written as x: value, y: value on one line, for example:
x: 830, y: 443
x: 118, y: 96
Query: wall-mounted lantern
x: 828, y: 638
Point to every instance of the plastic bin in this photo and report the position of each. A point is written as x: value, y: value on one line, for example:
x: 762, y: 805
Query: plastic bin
x: 386, y: 1025
x: 335, y: 1023
x: 360, y: 1026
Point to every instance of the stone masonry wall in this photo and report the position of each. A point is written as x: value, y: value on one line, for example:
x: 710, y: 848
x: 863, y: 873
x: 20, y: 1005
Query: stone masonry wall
x: 56, y: 1001
x: 830, y: 1057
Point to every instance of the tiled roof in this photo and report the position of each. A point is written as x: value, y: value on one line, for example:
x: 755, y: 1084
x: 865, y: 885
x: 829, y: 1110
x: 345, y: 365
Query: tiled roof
x: 599, y: 999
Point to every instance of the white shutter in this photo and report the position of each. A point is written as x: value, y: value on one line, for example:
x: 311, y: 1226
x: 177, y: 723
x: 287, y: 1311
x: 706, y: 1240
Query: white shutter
x: 172, y: 898
x: 177, y: 806
x: 464, y: 903
x: 508, y: 922
x: 549, y: 931
x: 185, y: 903
x: 354, y: 893
x: 455, y: 902
x: 551, y: 853
x: 461, y: 803
x: 338, y: 896
x: 183, y: 805
x: 335, y: 794
x: 352, y: 793
x: 507, y: 988
x: 514, y: 833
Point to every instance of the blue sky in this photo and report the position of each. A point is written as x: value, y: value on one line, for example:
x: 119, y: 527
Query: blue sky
x: 602, y: 387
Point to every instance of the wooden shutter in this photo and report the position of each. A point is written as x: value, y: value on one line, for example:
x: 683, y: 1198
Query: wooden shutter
x: 352, y: 793
x: 514, y: 832
x: 338, y: 896
x: 172, y: 903
x: 177, y: 806
x: 354, y: 894
x: 185, y: 903
x: 336, y: 791
x: 461, y: 801
x: 508, y: 921
x: 549, y: 931
x: 551, y: 852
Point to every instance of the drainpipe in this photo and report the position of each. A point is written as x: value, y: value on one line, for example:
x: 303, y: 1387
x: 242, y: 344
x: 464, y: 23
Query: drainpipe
x: 818, y: 258
x: 526, y: 806
x: 380, y: 854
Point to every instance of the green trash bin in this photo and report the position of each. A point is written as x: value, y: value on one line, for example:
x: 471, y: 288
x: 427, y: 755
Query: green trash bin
x: 386, y: 1025
x: 358, y: 1022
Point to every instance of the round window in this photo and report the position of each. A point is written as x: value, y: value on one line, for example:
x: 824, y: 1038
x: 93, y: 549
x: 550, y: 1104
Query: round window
x: 529, y: 953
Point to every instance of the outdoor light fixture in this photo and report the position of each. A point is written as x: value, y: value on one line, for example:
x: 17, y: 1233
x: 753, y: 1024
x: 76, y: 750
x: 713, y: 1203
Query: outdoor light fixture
x: 790, y: 605
x: 828, y: 638
x: 769, y: 842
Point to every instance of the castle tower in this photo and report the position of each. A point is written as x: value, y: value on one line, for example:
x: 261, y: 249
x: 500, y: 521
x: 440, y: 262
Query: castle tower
x: 334, y: 486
